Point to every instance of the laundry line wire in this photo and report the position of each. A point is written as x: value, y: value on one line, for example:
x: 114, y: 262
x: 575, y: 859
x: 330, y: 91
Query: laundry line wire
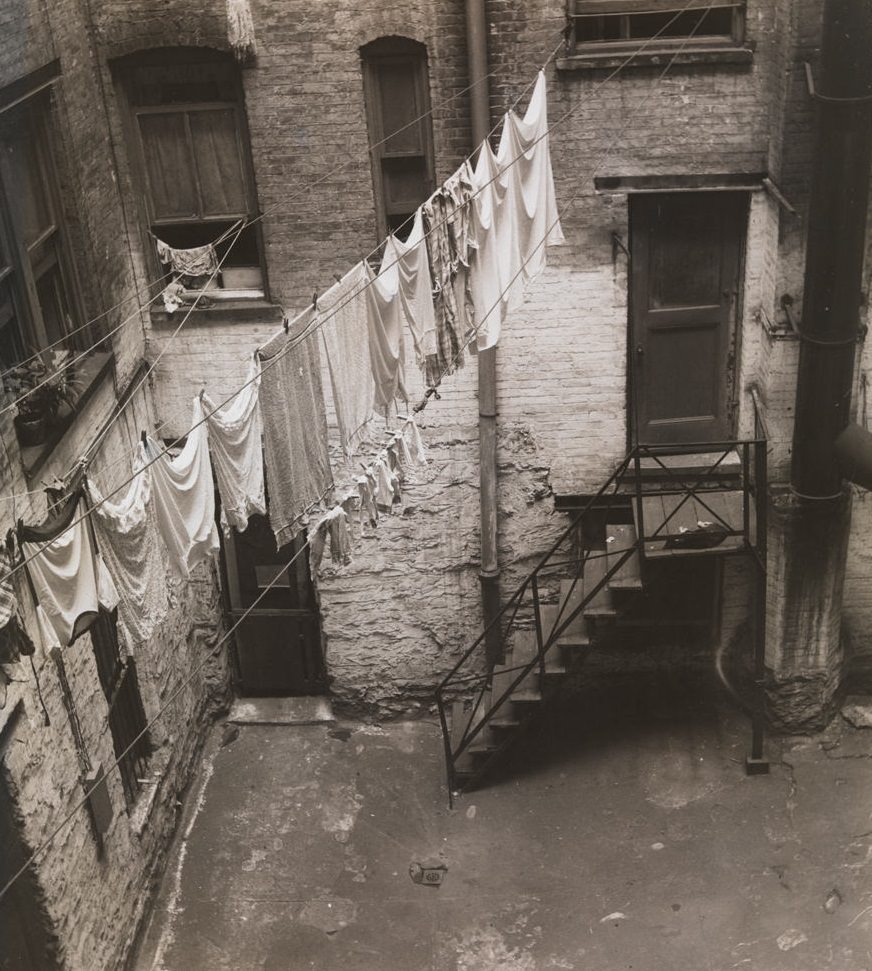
x: 322, y: 320
x: 214, y: 650
x: 279, y: 205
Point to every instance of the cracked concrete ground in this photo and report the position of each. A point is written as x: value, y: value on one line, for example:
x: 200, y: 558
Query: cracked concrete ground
x: 623, y: 835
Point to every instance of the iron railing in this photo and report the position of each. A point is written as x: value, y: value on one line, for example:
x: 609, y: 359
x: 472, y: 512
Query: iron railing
x: 485, y: 690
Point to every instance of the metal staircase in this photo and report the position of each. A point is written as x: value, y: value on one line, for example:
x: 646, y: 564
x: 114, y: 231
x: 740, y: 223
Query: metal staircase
x: 661, y: 503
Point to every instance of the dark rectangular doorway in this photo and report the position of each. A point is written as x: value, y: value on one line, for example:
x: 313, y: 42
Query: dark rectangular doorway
x: 278, y: 646
x: 686, y: 255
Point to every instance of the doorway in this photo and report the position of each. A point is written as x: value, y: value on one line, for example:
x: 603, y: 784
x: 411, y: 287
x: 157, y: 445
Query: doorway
x: 686, y: 255
x: 277, y: 650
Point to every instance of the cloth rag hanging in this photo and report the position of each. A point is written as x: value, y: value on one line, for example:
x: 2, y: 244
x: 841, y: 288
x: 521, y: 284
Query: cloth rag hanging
x: 296, y: 456
x: 368, y: 510
x: 388, y: 484
x: 198, y: 261
x: 447, y: 216
x: 14, y: 639
x: 385, y: 323
x: 129, y: 542
x: 345, y: 333
x: 524, y: 159
x: 412, y: 437
x: 415, y: 287
x: 334, y: 525
x: 235, y: 441
x: 69, y: 579
x: 183, y: 493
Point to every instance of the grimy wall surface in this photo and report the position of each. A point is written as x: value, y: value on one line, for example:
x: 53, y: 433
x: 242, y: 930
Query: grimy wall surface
x: 562, y: 362
x: 93, y: 902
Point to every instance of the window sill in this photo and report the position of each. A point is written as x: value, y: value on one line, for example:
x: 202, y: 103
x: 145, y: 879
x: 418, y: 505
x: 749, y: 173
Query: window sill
x: 654, y: 57
x: 90, y: 372
x: 253, y: 310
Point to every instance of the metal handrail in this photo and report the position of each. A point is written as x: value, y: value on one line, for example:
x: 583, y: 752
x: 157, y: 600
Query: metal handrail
x: 687, y: 484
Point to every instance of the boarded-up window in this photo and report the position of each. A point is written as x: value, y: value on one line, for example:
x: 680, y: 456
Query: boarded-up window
x: 188, y: 124
x: 400, y: 133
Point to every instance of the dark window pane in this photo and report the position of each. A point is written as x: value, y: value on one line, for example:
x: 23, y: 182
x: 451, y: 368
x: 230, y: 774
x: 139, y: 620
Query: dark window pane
x: 168, y: 165
x: 400, y: 108
x: 598, y: 28
x: 12, y: 345
x: 28, y: 193
x: 697, y: 23
x: 685, y: 248
x: 216, y: 154
x: 406, y: 183
x: 53, y: 304
x: 168, y: 84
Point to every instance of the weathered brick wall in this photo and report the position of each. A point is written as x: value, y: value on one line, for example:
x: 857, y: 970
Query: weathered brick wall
x: 94, y: 904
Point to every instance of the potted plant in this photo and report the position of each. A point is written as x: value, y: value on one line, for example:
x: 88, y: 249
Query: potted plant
x: 40, y: 387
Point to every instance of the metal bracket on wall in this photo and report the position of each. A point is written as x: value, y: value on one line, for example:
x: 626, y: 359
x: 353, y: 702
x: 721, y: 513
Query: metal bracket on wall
x: 618, y: 244
x: 785, y: 331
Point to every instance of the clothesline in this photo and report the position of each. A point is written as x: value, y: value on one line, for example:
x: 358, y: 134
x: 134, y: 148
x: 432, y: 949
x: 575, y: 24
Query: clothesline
x: 631, y: 56
x: 70, y: 814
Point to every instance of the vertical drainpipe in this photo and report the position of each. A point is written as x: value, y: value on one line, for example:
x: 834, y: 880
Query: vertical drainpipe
x: 489, y: 573
x: 836, y: 247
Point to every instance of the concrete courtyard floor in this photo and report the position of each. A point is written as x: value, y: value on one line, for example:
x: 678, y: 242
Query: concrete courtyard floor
x: 623, y: 835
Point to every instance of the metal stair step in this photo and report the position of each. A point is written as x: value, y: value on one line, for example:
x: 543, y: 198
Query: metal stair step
x: 572, y: 595
x: 619, y: 538
x: 600, y: 606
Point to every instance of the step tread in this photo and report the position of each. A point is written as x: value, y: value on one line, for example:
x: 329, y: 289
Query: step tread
x: 575, y: 635
x: 619, y: 538
x: 600, y: 604
x: 723, y: 509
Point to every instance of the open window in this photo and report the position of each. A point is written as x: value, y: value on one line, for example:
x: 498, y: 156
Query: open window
x: 613, y: 26
x: 188, y: 129
x: 49, y: 356
x: 400, y: 133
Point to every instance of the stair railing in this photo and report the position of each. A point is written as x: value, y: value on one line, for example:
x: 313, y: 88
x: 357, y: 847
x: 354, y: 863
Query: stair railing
x: 467, y: 670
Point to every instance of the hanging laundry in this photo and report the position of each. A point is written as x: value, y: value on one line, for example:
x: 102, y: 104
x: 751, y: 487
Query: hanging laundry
x: 401, y: 449
x: 415, y: 287
x: 199, y: 261
x: 240, y: 30
x: 412, y: 436
x: 524, y: 159
x: 70, y: 581
x: 385, y: 322
x: 497, y: 259
x: 450, y: 243
x: 235, y: 441
x: 294, y: 428
x: 388, y: 488
x: 128, y: 538
x: 184, y: 496
x: 345, y: 333
x: 14, y: 639
x: 368, y: 511
x: 335, y: 525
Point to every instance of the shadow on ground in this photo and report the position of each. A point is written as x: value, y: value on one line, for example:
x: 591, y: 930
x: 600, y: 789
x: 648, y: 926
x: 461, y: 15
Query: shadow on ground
x: 623, y: 834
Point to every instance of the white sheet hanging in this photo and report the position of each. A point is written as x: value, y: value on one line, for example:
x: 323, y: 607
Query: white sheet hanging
x: 529, y: 181
x: 129, y: 542
x: 235, y: 441
x: 415, y: 287
x: 345, y: 332
x: 70, y: 580
x: 385, y: 321
x: 184, y: 497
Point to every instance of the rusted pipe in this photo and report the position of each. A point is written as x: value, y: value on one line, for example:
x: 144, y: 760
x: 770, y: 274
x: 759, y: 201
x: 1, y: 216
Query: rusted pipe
x: 489, y: 571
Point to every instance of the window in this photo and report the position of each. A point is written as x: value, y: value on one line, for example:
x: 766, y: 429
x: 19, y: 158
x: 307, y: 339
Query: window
x: 605, y: 26
x: 397, y: 101
x: 190, y: 136
x: 126, y: 714
x: 38, y: 304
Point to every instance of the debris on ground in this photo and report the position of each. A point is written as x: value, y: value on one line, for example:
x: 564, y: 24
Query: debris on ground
x: 428, y: 874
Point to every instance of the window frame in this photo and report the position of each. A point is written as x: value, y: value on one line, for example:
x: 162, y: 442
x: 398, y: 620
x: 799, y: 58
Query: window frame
x: 126, y: 714
x: 123, y: 71
x: 48, y: 256
x: 626, y: 9
x: 395, y: 51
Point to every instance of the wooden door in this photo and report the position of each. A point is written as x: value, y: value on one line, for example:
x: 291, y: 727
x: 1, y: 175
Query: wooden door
x: 686, y: 251
x: 278, y: 645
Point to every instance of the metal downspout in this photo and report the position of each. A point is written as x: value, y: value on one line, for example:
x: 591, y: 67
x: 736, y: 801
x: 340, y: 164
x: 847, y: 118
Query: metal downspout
x: 476, y: 43
x: 836, y: 247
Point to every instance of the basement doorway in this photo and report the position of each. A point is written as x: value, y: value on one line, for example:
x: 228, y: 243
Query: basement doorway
x: 277, y: 647
x: 686, y: 253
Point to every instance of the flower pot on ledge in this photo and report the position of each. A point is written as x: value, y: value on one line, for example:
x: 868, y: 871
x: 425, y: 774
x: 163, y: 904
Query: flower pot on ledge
x: 30, y: 429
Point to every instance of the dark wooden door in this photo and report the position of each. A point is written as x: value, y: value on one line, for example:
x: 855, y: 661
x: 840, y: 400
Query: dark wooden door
x: 686, y: 251
x: 278, y: 645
